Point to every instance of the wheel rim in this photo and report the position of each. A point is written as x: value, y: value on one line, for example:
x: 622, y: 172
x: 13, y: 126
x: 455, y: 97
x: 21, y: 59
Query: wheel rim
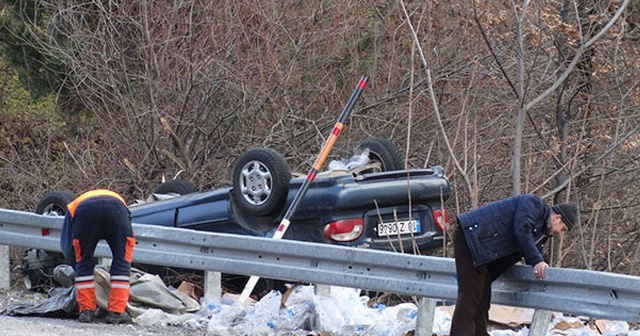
x: 256, y: 183
x: 28, y: 284
x: 375, y: 157
x: 53, y: 210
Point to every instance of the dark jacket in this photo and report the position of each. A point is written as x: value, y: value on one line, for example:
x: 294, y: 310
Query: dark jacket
x: 66, y: 236
x: 515, y: 225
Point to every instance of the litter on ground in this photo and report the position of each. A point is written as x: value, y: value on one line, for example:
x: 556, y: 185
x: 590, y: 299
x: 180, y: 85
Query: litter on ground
x: 299, y: 311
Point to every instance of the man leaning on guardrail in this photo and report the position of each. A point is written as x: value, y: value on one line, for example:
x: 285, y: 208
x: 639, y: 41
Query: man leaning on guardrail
x: 490, y: 239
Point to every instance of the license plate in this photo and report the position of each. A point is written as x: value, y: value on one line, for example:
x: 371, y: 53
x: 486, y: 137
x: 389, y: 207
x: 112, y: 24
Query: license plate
x: 402, y: 227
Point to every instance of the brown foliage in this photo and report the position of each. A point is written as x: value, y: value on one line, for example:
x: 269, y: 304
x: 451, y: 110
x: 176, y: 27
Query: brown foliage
x: 226, y: 76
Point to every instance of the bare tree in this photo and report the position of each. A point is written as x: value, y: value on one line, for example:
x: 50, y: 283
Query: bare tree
x: 496, y: 92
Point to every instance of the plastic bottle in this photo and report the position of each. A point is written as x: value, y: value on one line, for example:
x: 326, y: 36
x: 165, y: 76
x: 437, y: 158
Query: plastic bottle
x: 212, y: 309
x: 263, y: 315
x: 354, y: 329
x: 616, y: 328
x: 297, y: 316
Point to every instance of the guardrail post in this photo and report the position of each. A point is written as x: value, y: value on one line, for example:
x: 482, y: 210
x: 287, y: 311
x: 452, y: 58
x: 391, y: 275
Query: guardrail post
x: 540, y: 324
x: 106, y: 262
x: 322, y: 290
x: 5, y: 269
x: 212, y: 287
x: 426, y: 314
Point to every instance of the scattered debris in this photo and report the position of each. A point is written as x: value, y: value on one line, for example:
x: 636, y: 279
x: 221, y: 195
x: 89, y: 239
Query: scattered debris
x: 297, y: 312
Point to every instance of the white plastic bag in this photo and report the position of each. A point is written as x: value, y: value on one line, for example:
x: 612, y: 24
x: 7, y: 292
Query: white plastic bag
x: 355, y: 161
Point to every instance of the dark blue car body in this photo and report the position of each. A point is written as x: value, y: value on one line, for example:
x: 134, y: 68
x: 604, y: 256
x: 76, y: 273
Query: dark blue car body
x: 374, y: 204
x: 330, y: 198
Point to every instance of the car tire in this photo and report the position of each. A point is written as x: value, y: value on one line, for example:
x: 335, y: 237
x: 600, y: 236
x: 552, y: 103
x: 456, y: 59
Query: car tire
x: 381, y: 150
x: 55, y: 202
x: 261, y: 182
x: 178, y: 186
x: 37, y: 269
x: 38, y: 265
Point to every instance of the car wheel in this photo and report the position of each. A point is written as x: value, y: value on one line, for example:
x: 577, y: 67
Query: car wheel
x: 261, y: 182
x: 36, y: 281
x: 55, y: 203
x: 37, y: 269
x: 180, y: 187
x: 37, y: 265
x: 381, y: 150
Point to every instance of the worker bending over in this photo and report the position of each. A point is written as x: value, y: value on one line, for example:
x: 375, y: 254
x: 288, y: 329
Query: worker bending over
x: 92, y: 216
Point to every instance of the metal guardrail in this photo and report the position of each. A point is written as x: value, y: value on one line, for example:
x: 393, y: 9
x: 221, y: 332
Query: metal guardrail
x: 585, y: 293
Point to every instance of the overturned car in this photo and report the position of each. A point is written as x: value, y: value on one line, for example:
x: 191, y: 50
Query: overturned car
x: 368, y: 201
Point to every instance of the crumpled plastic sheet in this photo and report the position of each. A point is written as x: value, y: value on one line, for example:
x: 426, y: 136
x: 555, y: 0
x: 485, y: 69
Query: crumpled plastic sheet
x: 61, y: 303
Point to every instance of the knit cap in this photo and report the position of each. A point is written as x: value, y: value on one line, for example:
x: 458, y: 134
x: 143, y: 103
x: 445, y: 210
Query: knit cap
x: 569, y: 213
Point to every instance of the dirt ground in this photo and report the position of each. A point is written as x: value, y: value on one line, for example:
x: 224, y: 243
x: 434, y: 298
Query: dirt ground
x: 27, y: 326
x: 33, y: 325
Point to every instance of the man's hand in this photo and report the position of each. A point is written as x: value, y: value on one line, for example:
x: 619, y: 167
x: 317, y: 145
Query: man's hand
x: 538, y: 270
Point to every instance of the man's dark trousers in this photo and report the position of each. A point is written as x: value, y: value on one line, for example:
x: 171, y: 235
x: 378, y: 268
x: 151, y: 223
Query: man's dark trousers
x: 471, y: 315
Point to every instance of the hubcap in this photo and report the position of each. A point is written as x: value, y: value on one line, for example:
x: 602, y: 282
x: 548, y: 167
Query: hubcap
x: 256, y: 183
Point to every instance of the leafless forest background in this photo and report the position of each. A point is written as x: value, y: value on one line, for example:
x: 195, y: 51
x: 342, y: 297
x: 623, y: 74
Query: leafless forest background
x: 510, y: 97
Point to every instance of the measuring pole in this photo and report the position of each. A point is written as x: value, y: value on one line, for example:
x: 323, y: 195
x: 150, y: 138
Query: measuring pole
x: 326, y: 148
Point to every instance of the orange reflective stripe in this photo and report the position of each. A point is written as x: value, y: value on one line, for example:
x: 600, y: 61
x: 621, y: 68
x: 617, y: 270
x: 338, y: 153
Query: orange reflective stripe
x: 128, y: 252
x: 86, y: 297
x: 76, y: 249
x: 118, y: 298
x: 92, y: 193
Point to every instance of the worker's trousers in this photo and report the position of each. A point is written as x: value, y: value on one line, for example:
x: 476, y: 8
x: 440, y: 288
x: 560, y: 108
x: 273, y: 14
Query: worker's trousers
x: 96, y: 218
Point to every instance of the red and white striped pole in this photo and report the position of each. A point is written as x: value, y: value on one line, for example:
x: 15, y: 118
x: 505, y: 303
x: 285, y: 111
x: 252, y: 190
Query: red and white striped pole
x: 326, y: 148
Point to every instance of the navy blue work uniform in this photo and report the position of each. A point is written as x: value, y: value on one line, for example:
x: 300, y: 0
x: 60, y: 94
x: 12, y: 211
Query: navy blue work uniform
x: 92, y: 216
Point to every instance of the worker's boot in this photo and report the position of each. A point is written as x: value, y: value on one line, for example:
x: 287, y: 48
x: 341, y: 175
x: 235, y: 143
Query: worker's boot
x: 86, y: 316
x: 115, y: 318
